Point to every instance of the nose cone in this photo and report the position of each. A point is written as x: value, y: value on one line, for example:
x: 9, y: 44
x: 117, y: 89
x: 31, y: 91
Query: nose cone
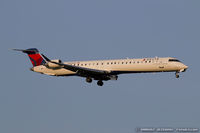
x: 185, y: 67
x: 32, y: 69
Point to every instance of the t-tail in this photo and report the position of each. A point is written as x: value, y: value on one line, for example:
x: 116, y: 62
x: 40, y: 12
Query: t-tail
x: 34, y: 55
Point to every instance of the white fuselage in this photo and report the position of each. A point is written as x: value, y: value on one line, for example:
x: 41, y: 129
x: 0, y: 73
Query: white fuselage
x: 119, y: 66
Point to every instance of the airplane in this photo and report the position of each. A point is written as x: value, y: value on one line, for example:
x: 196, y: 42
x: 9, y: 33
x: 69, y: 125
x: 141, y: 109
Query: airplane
x: 102, y: 70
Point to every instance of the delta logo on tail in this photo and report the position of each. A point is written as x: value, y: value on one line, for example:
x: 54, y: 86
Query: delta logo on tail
x: 34, y: 56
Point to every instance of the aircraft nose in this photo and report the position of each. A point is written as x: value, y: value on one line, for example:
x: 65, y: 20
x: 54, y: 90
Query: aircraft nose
x: 185, y: 67
x: 32, y: 69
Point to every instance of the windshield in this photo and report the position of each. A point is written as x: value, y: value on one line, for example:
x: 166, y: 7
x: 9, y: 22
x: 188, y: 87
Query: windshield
x: 174, y: 60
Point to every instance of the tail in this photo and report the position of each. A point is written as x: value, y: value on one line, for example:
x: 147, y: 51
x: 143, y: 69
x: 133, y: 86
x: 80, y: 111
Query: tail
x: 34, y: 55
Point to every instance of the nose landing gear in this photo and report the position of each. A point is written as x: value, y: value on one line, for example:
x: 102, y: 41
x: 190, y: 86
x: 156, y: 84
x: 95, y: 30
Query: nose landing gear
x: 177, y: 74
x: 89, y: 80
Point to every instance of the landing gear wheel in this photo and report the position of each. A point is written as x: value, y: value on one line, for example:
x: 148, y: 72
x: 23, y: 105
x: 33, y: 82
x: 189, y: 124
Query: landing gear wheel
x: 99, y: 83
x: 89, y: 80
x: 177, y: 75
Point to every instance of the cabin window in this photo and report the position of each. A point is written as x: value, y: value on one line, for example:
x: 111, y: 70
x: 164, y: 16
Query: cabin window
x: 107, y: 63
x: 97, y: 63
x: 111, y: 63
x: 122, y: 62
x: 114, y: 62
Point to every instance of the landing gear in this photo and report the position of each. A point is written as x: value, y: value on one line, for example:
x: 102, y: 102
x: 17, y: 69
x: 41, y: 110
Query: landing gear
x: 89, y: 80
x: 177, y: 75
x: 100, y: 83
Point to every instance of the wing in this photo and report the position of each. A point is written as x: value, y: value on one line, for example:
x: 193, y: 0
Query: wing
x: 82, y: 71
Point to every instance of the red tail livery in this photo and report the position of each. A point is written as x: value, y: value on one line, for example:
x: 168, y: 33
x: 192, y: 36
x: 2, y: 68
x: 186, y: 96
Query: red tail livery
x: 34, y: 55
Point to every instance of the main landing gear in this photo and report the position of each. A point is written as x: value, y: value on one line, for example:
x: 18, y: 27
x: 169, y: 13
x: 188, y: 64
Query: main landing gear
x: 89, y: 80
x: 177, y: 74
x: 100, y: 83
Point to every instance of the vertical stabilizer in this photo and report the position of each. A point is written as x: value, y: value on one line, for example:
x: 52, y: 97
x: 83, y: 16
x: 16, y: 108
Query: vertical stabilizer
x: 34, y: 55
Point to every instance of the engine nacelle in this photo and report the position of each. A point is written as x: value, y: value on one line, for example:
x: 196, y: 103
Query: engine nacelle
x: 53, y: 65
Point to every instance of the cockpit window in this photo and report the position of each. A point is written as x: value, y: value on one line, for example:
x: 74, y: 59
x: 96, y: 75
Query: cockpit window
x: 174, y: 60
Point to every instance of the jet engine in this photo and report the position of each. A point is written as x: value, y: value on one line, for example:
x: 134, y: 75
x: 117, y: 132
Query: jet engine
x: 53, y: 65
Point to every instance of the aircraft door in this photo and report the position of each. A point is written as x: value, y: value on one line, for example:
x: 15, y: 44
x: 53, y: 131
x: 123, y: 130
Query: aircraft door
x: 159, y: 63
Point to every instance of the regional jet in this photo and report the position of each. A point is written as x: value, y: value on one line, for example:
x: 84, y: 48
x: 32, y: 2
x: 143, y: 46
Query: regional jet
x: 102, y: 70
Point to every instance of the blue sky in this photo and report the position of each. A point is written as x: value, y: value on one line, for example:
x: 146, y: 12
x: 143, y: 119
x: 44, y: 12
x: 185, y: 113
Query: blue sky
x: 86, y: 30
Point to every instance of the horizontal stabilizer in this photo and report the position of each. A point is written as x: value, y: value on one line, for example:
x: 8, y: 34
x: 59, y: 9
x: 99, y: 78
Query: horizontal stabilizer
x: 28, y: 51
